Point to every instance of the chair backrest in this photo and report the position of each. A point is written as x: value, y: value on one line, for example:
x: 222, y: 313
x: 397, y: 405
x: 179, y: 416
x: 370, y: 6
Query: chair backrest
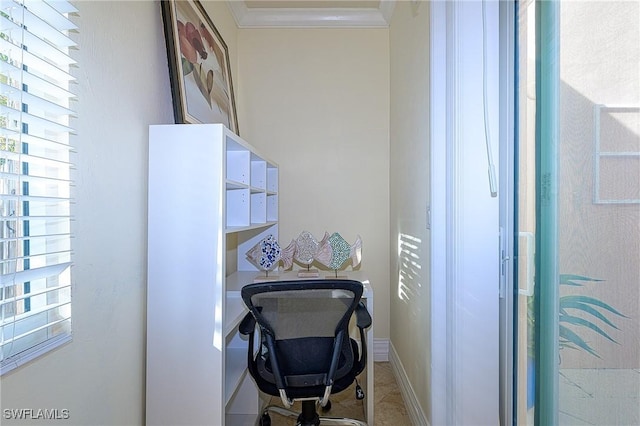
x: 304, y: 326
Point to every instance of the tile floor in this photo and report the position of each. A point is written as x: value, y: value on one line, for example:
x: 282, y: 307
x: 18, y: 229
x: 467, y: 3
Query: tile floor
x: 389, y: 408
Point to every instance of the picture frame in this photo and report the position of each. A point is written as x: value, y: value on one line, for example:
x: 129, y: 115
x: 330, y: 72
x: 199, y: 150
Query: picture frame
x: 199, y: 68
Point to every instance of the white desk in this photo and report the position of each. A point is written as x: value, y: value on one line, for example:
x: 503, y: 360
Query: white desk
x: 235, y: 311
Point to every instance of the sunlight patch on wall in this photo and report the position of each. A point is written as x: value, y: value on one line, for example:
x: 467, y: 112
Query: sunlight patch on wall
x: 409, y: 271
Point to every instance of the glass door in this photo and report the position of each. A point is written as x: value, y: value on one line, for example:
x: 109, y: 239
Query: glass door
x: 578, y: 213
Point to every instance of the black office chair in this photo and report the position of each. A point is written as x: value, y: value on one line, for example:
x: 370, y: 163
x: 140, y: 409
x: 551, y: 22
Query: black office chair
x: 305, y: 351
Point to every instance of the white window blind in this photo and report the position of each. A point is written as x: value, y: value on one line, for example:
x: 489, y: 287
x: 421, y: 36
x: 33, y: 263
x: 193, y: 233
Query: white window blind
x: 35, y: 233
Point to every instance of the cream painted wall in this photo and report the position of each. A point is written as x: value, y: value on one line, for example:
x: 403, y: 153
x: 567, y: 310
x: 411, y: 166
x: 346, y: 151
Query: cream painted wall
x: 409, y: 196
x: 317, y: 101
x: 123, y: 86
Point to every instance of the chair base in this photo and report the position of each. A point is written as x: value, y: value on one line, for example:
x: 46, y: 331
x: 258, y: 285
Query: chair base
x: 321, y: 420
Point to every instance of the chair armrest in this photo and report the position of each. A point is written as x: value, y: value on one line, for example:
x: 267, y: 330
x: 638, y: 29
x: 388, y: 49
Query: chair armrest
x: 363, y: 318
x: 247, y: 325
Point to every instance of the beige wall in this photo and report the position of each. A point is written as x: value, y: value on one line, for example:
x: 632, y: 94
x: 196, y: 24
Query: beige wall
x: 409, y: 196
x: 317, y: 101
x: 123, y: 86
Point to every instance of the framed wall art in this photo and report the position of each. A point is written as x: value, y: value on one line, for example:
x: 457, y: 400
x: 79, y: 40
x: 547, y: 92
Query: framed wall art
x: 199, y: 67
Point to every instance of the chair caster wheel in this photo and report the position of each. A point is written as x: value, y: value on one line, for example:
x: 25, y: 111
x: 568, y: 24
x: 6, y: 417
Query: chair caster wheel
x: 265, y: 420
x: 327, y: 407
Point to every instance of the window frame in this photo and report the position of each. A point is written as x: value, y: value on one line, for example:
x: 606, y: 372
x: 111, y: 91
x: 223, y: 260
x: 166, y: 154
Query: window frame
x: 599, y: 154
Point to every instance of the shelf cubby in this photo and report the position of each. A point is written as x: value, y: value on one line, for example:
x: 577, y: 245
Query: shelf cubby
x: 258, y: 207
x: 272, y: 178
x: 238, y: 207
x: 258, y: 173
x: 272, y: 207
x: 237, y: 165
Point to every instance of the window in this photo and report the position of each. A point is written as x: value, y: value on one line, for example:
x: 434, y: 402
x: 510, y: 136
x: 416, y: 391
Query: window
x: 35, y: 228
x: 617, y: 155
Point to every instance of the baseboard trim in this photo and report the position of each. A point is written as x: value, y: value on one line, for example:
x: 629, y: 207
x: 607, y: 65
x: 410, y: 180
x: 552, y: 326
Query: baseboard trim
x: 417, y: 416
x: 381, y: 350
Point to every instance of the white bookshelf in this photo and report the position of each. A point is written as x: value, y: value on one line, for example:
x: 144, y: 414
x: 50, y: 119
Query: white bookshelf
x: 211, y: 197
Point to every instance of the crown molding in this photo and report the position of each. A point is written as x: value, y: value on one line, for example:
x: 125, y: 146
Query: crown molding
x: 311, y: 17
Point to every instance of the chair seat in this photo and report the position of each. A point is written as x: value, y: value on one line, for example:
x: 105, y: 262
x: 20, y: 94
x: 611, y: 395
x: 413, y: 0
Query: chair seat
x: 307, y: 391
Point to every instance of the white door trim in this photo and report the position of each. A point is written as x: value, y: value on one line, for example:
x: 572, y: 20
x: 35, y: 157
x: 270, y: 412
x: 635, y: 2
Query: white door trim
x: 465, y: 216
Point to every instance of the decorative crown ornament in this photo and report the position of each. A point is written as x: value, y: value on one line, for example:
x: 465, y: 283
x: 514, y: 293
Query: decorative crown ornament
x: 266, y: 254
x: 335, y: 251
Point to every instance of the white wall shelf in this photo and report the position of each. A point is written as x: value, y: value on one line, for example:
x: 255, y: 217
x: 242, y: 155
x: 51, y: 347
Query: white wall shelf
x: 217, y: 191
